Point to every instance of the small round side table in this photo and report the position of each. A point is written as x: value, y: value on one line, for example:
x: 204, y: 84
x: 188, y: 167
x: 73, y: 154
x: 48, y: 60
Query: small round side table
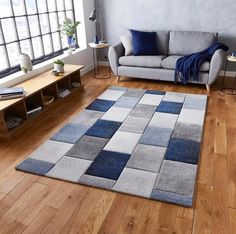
x: 227, y: 90
x: 96, y: 70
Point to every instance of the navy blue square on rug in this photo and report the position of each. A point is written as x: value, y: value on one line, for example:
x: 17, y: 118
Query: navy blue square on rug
x: 182, y: 150
x: 169, y: 107
x: 103, y: 128
x: 108, y: 165
x: 100, y: 105
x: 35, y: 166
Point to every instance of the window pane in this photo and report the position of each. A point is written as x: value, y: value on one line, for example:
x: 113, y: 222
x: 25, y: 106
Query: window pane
x: 9, y: 30
x: 51, y: 5
x: 3, y: 62
x: 22, y: 29
x: 34, y: 25
x: 13, y: 53
x: 5, y: 9
x: 25, y: 47
x: 69, y: 14
x: 47, y: 44
x: 30, y: 6
x: 60, y: 5
x: 18, y: 6
x: 1, y: 37
x: 44, y: 23
x: 42, y: 7
x: 37, y: 47
x: 56, y: 41
x: 68, y: 4
x: 61, y: 17
x: 53, y: 22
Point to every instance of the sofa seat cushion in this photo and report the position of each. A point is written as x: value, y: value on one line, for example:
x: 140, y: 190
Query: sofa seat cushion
x: 142, y: 61
x: 170, y: 63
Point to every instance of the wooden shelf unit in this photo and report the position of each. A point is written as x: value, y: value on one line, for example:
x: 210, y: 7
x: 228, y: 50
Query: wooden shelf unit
x: 35, y: 88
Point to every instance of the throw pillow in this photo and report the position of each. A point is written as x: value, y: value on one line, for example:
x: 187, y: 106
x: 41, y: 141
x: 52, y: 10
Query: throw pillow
x: 127, y: 41
x: 144, y: 43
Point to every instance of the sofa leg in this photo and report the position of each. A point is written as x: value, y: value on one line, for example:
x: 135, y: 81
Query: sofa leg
x: 208, y: 87
x: 118, y: 78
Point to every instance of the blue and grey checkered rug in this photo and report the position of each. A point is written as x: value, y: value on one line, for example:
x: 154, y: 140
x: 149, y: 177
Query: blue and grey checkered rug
x: 141, y: 142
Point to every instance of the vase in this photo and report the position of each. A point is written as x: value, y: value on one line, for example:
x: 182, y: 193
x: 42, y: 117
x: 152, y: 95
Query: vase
x: 25, y: 62
x: 71, y: 42
x: 58, y: 67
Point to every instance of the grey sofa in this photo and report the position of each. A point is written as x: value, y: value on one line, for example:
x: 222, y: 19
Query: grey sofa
x: 171, y: 45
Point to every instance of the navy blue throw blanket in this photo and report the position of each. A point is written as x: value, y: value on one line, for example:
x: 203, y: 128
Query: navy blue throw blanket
x: 188, y: 67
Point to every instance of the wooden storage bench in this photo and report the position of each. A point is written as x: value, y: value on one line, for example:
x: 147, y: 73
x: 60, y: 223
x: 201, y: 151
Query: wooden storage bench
x: 35, y: 88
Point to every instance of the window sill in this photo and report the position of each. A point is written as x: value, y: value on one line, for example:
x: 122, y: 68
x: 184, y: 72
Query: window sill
x: 37, y: 69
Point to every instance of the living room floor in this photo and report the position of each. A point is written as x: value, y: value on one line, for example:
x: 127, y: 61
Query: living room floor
x: 34, y: 204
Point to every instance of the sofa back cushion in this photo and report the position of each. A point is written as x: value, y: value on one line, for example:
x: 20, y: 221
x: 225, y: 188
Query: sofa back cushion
x: 162, y: 39
x: 187, y: 42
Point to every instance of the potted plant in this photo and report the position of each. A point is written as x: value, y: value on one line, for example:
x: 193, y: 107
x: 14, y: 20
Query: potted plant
x: 69, y: 28
x: 59, y: 66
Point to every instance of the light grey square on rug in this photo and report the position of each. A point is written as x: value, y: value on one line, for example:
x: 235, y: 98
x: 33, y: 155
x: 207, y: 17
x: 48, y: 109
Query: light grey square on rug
x: 137, y: 93
x: 134, y: 124
x: 147, y: 157
x: 51, y: 151
x: 70, y: 169
x: 143, y: 111
x: 88, y: 147
x: 188, y: 131
x: 135, y: 181
x: 87, y: 117
x: 156, y: 136
x: 123, y: 142
x: 177, y: 177
x: 127, y: 102
x: 97, y: 181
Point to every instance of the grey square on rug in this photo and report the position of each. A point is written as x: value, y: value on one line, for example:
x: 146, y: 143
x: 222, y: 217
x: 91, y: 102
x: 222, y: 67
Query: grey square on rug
x: 140, y: 142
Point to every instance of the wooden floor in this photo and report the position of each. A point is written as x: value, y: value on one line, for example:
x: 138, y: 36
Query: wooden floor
x: 33, y: 204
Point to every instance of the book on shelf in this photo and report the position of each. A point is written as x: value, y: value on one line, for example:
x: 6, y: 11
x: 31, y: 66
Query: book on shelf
x: 11, y: 93
x: 63, y: 92
x: 33, y: 109
x: 14, y: 90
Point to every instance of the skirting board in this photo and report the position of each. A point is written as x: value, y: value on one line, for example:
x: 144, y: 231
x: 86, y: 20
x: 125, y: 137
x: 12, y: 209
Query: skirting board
x: 228, y: 73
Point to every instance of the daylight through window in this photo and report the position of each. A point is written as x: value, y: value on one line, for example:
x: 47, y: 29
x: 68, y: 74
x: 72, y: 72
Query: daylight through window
x: 32, y: 27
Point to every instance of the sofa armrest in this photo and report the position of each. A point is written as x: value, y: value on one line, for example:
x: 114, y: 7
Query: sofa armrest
x: 114, y: 53
x: 216, y: 64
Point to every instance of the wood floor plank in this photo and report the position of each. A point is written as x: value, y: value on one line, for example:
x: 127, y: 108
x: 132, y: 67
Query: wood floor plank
x: 66, y: 210
x: 231, y: 165
x: 31, y: 211
x: 16, y: 228
x: 232, y: 220
x: 132, y: 215
x: 148, y: 222
x: 167, y: 217
x: 183, y: 226
x: 203, y: 212
x: 220, y: 137
x: 16, y: 211
x: 41, y: 220
x: 98, y: 213
x: 115, y: 214
x: 79, y: 218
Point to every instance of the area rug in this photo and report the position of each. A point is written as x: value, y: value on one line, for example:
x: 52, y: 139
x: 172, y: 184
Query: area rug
x: 141, y: 142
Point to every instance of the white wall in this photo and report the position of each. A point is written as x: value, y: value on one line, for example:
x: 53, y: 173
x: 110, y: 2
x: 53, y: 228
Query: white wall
x: 83, y: 56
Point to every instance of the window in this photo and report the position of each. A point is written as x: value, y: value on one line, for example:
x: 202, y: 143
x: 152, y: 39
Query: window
x: 32, y: 27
